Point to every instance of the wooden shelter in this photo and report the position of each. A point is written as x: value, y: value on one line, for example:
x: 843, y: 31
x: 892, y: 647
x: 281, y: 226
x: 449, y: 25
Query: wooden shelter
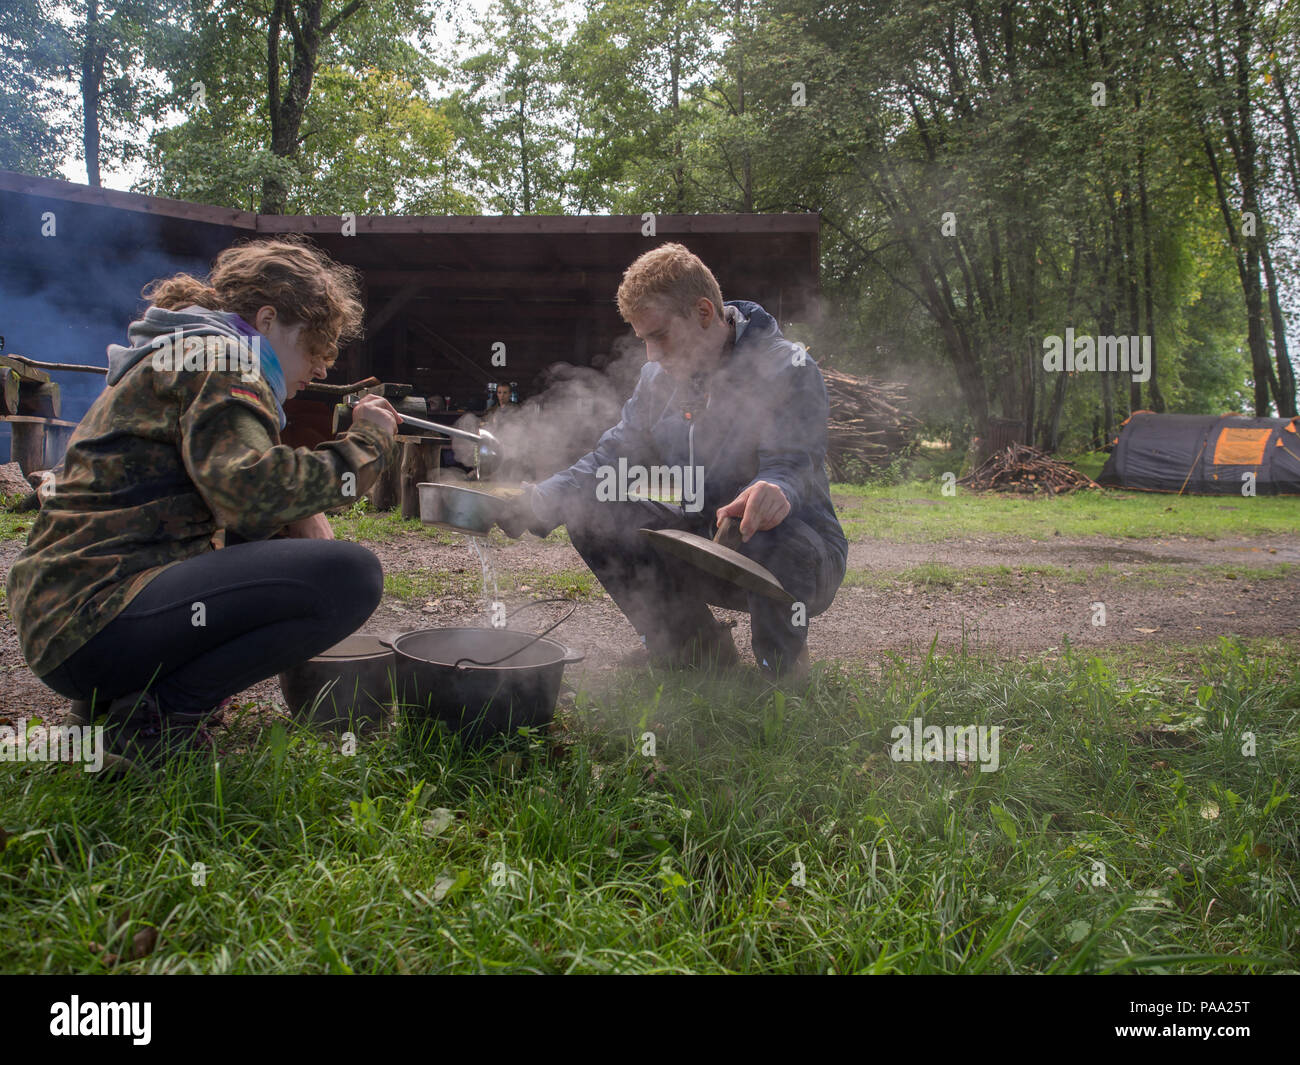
x: 441, y: 292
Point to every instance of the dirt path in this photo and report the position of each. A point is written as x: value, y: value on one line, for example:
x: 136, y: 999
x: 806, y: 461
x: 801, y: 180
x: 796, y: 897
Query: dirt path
x: 1012, y: 613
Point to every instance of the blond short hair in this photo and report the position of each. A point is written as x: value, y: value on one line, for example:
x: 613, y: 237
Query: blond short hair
x: 672, y: 275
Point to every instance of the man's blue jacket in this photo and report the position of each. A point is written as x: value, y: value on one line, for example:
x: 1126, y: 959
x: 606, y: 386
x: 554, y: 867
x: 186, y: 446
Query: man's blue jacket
x: 765, y: 420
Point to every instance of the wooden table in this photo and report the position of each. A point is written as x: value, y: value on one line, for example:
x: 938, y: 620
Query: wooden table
x: 419, y: 460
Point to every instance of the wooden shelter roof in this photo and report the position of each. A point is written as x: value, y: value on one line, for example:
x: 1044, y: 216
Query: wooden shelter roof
x: 440, y: 291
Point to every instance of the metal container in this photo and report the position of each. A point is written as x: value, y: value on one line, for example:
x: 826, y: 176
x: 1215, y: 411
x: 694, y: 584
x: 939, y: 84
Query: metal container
x: 352, y: 684
x: 440, y: 678
x: 463, y: 510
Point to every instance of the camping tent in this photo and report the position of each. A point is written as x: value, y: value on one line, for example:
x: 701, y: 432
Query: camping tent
x: 1204, y: 454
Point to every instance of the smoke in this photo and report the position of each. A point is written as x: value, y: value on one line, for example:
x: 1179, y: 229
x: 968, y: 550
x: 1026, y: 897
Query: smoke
x: 555, y: 427
x: 66, y: 298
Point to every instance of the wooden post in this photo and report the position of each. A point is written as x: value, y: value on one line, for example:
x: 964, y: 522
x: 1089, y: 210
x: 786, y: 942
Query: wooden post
x: 415, y: 465
x: 383, y: 495
x: 28, y: 444
x: 9, y: 391
x: 57, y: 435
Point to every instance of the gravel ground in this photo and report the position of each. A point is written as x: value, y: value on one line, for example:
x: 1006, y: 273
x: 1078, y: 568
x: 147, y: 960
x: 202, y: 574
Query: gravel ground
x: 1013, y: 614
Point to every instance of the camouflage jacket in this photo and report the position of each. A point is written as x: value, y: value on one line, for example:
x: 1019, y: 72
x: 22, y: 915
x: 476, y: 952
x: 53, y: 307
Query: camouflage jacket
x: 161, y: 461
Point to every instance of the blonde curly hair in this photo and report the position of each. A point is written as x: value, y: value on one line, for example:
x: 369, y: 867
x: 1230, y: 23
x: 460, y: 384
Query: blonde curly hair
x: 289, y: 273
x: 671, y: 275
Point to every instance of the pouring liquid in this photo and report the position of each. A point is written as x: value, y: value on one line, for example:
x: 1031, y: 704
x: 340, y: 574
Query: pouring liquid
x: 493, y: 609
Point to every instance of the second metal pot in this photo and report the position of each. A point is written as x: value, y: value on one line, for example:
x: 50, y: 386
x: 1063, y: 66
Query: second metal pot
x: 349, y: 685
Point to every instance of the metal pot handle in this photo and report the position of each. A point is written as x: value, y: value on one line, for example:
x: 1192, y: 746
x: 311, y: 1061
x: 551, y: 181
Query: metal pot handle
x: 389, y: 640
x: 571, y: 656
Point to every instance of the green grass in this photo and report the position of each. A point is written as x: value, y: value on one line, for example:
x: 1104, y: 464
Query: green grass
x: 361, y: 523
x: 919, y: 512
x: 932, y: 575
x: 14, y: 526
x: 415, y: 585
x: 1124, y: 831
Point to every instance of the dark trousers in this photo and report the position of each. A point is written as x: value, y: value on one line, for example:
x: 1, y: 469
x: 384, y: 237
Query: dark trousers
x: 666, y: 599
x: 263, y: 607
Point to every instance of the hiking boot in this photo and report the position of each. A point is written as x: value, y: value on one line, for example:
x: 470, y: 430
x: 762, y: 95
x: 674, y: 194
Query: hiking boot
x: 140, y: 735
x: 79, y: 712
x: 710, y: 648
x: 795, y: 675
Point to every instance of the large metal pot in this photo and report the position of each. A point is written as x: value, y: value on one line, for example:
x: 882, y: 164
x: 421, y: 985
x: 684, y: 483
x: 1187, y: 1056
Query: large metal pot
x: 480, y: 683
x: 350, y: 685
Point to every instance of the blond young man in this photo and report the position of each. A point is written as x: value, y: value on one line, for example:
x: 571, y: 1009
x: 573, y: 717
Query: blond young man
x: 726, y: 397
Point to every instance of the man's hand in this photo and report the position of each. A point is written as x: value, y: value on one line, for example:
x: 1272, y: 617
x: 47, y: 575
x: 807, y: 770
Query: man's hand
x: 317, y: 527
x: 515, y: 514
x: 760, y: 506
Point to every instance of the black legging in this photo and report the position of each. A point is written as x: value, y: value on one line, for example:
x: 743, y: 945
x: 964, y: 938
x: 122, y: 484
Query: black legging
x: 266, y: 606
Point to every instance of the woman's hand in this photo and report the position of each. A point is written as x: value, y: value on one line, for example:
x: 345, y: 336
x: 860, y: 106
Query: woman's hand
x: 378, y: 412
x: 317, y: 527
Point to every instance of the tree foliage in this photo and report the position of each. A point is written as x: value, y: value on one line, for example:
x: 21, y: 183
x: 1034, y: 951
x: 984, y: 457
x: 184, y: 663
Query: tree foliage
x: 989, y: 175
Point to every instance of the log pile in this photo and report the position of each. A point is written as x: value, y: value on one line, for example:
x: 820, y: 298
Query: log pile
x: 868, y: 426
x: 1020, y: 468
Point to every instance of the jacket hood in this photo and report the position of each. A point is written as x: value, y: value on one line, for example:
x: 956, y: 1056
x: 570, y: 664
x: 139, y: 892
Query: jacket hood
x: 759, y: 324
x: 144, y: 338
x: 142, y: 335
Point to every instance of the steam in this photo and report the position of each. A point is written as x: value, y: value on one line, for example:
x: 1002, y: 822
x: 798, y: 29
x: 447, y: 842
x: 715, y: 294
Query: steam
x: 555, y: 427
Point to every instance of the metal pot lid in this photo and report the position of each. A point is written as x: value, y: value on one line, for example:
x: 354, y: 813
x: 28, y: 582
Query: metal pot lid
x: 358, y: 645
x: 444, y: 648
x: 719, y: 561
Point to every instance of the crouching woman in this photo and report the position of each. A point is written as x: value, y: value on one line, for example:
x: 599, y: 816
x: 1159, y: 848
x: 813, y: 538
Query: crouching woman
x: 120, y: 601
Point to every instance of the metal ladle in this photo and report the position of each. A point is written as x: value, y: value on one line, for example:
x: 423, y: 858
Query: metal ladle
x: 490, y: 451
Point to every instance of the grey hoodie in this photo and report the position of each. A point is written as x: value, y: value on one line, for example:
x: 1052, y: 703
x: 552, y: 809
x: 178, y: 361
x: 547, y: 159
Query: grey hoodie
x: 149, y: 337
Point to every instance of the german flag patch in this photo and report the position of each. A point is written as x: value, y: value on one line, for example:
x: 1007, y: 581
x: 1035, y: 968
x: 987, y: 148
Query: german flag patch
x: 246, y: 393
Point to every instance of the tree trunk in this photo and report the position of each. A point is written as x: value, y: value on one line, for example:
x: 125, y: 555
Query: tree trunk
x: 287, y: 109
x: 679, y: 169
x: 523, y: 152
x: 92, y: 78
x: 1285, y: 392
x: 1247, y: 174
x: 1148, y: 284
x: 1131, y: 290
x: 746, y: 160
x: 1051, y: 435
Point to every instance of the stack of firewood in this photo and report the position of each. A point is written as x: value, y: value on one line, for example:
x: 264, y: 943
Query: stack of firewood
x: 867, y: 426
x: 1021, y: 468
